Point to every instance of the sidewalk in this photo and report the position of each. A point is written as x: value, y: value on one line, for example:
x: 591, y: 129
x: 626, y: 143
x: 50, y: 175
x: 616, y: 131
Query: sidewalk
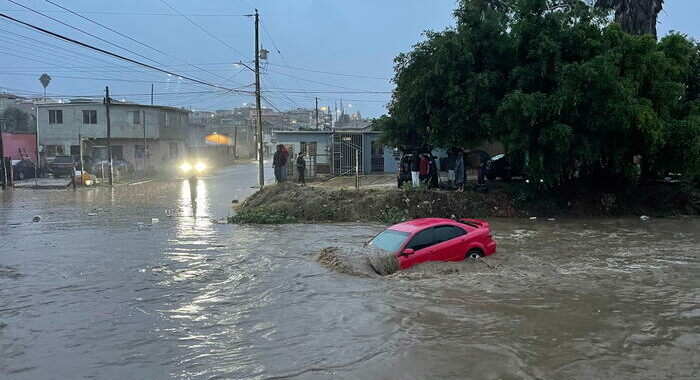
x: 42, y: 183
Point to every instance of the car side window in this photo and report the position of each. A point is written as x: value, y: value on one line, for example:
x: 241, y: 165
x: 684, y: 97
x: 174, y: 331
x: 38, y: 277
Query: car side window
x: 445, y: 233
x: 423, y: 239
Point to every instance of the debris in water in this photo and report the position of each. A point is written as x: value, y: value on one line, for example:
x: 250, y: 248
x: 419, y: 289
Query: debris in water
x: 234, y: 201
x: 366, y: 261
x: 36, y: 219
x: 155, y: 220
x: 92, y: 214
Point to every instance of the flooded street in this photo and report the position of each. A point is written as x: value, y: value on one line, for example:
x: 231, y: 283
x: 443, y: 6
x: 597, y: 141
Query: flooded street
x: 111, y: 296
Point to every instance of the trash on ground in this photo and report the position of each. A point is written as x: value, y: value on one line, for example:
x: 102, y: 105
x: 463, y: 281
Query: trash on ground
x: 533, y: 218
x: 644, y: 218
x: 92, y: 214
x: 36, y: 219
x: 155, y: 220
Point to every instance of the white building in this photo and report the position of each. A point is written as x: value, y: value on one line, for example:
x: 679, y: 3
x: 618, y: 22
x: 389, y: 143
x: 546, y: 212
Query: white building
x: 163, y: 131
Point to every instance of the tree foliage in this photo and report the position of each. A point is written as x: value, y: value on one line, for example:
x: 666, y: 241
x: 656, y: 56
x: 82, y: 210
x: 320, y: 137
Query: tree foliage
x: 16, y: 120
x: 567, y: 92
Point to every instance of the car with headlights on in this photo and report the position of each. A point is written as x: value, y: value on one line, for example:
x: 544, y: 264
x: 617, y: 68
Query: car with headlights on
x: 436, y: 239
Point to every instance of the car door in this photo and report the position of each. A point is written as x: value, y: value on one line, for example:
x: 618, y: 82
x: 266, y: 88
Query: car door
x: 450, y: 243
x: 422, y: 244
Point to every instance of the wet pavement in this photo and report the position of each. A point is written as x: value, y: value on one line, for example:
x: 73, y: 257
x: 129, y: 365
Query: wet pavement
x: 95, y: 290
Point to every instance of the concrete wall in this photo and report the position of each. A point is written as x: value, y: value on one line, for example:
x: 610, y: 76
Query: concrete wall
x: 322, y: 140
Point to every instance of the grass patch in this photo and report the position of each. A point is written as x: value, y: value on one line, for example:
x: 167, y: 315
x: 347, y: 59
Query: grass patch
x: 261, y: 215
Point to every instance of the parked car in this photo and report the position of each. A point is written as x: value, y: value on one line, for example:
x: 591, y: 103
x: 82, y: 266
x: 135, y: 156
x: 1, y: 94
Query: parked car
x: 403, y: 174
x: 63, y: 165
x: 22, y: 169
x: 500, y: 167
x: 436, y: 239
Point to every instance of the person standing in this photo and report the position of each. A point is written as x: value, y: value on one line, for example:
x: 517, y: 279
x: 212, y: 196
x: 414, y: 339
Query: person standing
x: 450, y: 163
x: 459, y: 169
x: 415, y: 168
x: 279, y: 162
x: 285, y: 172
x: 301, y: 168
x: 424, y: 169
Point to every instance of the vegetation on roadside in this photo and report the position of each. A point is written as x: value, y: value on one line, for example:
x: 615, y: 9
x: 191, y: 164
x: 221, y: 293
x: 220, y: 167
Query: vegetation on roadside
x: 573, y: 98
x: 261, y: 215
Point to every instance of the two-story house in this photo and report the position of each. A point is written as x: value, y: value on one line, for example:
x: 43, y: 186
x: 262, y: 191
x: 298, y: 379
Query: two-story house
x: 161, y: 132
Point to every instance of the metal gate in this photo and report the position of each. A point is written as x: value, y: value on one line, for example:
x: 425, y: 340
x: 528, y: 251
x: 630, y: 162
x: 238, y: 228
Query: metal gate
x: 346, y: 146
x: 377, y: 157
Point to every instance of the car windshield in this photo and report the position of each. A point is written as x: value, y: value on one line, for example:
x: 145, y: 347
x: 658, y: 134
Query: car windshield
x: 389, y: 240
x: 63, y: 159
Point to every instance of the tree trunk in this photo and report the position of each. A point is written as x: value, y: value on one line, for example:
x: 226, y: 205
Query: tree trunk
x: 635, y: 16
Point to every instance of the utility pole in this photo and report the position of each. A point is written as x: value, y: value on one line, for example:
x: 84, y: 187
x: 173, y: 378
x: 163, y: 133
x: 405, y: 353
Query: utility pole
x: 261, y: 169
x: 151, y: 93
x: 38, y: 159
x: 82, y: 162
x: 317, y: 113
x: 145, y: 147
x: 357, y: 168
x: 107, y: 102
x: 3, y: 181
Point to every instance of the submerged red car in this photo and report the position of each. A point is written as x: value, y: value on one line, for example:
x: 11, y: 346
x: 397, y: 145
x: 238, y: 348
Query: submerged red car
x: 436, y: 239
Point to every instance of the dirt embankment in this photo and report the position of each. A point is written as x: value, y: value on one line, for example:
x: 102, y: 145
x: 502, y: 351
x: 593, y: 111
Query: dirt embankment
x: 289, y: 203
x: 308, y: 203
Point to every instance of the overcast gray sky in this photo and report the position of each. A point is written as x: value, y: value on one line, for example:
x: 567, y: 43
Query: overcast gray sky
x: 328, y: 49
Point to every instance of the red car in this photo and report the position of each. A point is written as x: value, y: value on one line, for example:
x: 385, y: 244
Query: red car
x: 436, y: 239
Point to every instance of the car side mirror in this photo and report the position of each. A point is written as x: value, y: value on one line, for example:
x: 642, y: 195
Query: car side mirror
x: 408, y: 252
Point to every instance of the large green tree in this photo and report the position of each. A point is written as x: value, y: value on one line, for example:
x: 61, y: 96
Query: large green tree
x: 568, y: 93
x: 16, y: 120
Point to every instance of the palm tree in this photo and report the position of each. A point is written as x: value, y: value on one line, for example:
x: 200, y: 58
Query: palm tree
x: 635, y: 16
x: 45, y: 79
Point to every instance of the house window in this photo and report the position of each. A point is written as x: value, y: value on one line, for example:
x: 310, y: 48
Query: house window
x: 89, y: 116
x: 174, y: 150
x: 134, y: 117
x: 311, y: 148
x: 302, y: 147
x: 75, y: 151
x: 117, y: 152
x: 139, y: 152
x: 54, y: 150
x: 55, y: 116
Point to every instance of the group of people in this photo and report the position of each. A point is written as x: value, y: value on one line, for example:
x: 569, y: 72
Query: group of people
x: 279, y: 162
x: 424, y: 168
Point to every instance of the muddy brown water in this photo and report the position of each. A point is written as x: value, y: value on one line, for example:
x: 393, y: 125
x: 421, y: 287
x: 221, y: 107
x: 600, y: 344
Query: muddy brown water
x: 111, y: 297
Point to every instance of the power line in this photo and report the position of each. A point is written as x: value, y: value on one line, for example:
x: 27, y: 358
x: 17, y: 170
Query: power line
x: 202, y: 29
x: 134, y: 13
x: 131, y: 39
x: 84, y: 32
x: 334, y: 73
x: 111, y: 79
x: 115, y: 55
x: 61, y: 51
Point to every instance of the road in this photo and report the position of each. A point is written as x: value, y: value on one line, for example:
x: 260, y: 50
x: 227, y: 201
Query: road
x: 95, y: 290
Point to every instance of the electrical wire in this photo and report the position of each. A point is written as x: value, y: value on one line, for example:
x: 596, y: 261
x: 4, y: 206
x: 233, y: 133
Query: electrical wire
x: 203, y: 30
x: 115, y: 55
x: 132, y: 39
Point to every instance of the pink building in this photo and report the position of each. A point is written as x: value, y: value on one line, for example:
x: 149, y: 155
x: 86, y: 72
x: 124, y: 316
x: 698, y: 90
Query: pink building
x: 14, y: 142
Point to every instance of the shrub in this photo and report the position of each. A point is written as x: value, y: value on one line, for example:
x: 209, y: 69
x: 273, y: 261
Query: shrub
x: 261, y: 215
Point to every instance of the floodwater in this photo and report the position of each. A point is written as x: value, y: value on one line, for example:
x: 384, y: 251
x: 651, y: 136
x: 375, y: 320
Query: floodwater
x: 112, y: 296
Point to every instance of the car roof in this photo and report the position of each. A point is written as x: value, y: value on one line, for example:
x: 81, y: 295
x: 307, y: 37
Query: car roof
x: 419, y: 224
